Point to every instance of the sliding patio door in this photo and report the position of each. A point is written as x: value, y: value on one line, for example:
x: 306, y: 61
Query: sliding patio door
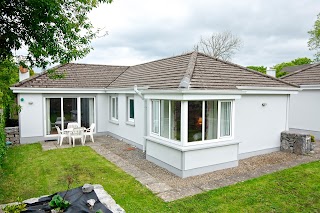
x: 53, y: 111
x: 87, y: 112
x: 61, y: 111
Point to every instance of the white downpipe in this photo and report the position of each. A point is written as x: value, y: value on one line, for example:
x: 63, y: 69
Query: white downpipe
x: 135, y: 88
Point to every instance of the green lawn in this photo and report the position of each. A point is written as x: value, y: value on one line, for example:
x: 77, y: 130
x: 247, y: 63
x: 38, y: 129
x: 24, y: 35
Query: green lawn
x: 30, y: 172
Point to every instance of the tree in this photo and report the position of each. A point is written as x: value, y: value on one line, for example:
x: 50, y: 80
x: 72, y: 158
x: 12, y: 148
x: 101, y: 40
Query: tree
x: 8, y: 76
x: 220, y: 45
x: 295, y: 62
x: 53, y: 31
x: 261, y: 69
x: 314, y: 41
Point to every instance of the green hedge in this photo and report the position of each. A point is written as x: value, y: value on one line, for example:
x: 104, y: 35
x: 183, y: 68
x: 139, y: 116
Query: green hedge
x: 3, y: 147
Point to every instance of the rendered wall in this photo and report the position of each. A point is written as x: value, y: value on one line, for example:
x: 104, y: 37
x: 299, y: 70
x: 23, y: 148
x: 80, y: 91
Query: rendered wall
x: 259, y: 127
x: 31, y: 119
x: 133, y: 133
x: 304, y: 110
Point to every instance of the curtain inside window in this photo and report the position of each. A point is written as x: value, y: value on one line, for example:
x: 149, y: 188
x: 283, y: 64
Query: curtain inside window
x: 225, y: 119
x: 155, y: 117
x: 211, y: 121
x: 175, y: 120
x: 87, y: 116
x: 164, y: 118
x: 194, y: 121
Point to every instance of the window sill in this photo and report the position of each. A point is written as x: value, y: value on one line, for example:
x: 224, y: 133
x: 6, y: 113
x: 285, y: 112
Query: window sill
x: 195, y: 147
x: 130, y: 123
x: 114, y: 121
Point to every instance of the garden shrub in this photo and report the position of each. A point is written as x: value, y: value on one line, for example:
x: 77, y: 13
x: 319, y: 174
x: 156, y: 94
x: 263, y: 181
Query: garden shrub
x: 3, y: 147
x: 312, y: 138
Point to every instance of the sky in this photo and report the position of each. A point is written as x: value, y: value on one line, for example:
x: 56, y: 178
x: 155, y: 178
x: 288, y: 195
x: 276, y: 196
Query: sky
x: 139, y: 31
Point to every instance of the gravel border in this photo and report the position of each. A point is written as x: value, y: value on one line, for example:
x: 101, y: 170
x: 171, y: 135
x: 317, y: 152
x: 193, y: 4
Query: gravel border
x: 170, y: 187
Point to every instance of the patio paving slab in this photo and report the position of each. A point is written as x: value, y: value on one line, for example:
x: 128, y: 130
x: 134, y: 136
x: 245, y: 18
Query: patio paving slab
x: 169, y: 187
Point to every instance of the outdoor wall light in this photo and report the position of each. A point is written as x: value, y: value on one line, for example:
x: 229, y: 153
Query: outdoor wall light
x: 30, y: 103
x: 22, y: 99
x: 264, y: 104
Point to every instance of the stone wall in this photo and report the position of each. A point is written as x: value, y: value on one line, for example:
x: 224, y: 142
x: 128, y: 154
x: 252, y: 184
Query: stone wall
x: 297, y: 143
x: 12, y: 134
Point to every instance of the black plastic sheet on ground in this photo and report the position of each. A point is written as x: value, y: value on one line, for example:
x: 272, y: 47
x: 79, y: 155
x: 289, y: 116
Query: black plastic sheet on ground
x: 76, y: 197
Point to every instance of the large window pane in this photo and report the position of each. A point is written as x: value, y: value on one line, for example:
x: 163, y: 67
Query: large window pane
x: 53, y: 114
x: 211, y: 121
x: 87, y: 112
x: 155, y: 117
x: 194, y: 121
x: 164, y: 118
x: 225, y: 119
x: 70, y: 110
x: 175, y: 120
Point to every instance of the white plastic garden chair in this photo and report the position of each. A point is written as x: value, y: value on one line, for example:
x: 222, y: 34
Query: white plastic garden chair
x: 61, y: 135
x: 89, y: 132
x: 77, y: 133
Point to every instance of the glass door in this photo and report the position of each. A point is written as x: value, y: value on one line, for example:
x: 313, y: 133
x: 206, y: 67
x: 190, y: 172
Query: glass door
x: 87, y: 112
x: 53, y: 111
x: 70, y: 111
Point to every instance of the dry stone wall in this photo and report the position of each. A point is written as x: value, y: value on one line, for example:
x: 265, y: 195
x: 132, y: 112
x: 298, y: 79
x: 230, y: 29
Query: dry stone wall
x: 297, y: 143
x: 12, y: 134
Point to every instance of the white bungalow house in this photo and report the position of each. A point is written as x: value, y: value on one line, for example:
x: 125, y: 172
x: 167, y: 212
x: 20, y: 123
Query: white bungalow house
x: 191, y: 113
x: 304, y: 110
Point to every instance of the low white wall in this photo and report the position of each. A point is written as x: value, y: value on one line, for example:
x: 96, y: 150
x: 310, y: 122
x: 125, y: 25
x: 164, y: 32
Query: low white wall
x: 131, y: 132
x: 31, y: 117
x: 210, y: 156
x: 258, y: 127
x: 304, y: 110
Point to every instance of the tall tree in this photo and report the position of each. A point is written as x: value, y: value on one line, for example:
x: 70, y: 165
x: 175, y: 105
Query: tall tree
x: 314, y: 41
x: 53, y: 31
x: 261, y: 69
x: 295, y: 62
x: 220, y: 45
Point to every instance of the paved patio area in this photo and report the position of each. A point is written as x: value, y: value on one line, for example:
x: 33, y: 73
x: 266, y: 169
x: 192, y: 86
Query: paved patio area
x: 170, y: 187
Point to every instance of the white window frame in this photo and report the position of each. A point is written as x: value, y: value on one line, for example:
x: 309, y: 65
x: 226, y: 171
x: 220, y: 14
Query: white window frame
x: 158, y: 135
x: 202, y: 141
x: 131, y: 120
x: 114, y: 110
x: 62, y: 112
x: 219, y: 138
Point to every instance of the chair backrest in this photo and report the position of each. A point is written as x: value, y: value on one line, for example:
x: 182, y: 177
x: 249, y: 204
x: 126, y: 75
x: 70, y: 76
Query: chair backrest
x: 92, y: 126
x: 78, y: 131
x: 72, y: 125
x: 59, y: 130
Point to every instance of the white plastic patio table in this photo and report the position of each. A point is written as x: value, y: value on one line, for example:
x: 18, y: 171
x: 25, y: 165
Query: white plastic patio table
x: 69, y: 131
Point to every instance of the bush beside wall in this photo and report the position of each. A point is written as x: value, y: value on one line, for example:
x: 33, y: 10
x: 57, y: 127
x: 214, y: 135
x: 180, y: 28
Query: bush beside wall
x: 3, y: 147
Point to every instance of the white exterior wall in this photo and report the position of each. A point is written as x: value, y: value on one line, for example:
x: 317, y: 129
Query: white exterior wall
x: 258, y: 127
x: 123, y: 129
x: 31, y: 117
x: 304, y: 110
x: 102, y: 109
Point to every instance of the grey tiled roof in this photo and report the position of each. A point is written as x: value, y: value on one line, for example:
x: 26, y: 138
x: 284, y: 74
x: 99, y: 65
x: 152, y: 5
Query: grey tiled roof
x: 295, y: 68
x: 77, y: 76
x: 306, y: 76
x: 212, y: 73
x: 195, y: 70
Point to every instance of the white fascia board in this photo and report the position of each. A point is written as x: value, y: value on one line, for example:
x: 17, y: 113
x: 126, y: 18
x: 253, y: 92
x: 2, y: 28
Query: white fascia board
x: 192, y: 91
x: 185, y: 97
x: 310, y: 87
x: 71, y: 90
x: 129, y: 90
x: 187, y: 94
x: 56, y: 90
x: 269, y: 90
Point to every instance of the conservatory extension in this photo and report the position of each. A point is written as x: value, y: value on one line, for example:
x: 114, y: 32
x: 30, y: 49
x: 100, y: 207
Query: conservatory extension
x: 192, y: 136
